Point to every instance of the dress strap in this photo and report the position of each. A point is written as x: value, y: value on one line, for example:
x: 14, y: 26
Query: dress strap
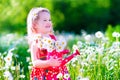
x: 52, y: 36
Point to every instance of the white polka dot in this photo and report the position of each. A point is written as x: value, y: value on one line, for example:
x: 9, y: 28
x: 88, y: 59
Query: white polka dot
x: 51, y: 75
x: 52, y: 78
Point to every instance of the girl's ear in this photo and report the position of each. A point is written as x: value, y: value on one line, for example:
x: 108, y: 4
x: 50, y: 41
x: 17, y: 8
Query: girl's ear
x: 33, y: 27
x: 33, y: 30
x: 34, y: 24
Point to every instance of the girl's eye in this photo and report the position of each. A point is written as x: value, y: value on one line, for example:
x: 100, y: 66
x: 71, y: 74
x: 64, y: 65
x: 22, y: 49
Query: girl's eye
x: 44, y: 20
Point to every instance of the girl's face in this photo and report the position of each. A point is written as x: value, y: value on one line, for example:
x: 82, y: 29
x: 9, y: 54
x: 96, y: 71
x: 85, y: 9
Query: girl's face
x: 44, y: 24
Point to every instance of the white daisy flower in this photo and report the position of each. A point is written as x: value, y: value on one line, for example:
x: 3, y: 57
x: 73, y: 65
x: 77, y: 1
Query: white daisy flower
x: 90, y: 50
x: 60, y: 44
x: 99, y: 34
x: 79, y: 44
x: 66, y: 76
x: 28, y: 59
x: 116, y: 34
x: 48, y: 44
x: 88, y: 38
x: 22, y: 76
x: 60, y: 75
x: 29, y: 67
x: 75, y: 47
x: 12, y: 68
x: 79, y: 77
x: 8, y: 59
x: 8, y: 74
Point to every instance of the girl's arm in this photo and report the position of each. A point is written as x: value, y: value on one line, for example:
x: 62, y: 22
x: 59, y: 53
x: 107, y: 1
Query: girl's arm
x: 42, y: 63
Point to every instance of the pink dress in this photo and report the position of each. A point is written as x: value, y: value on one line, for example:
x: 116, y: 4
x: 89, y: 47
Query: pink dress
x: 52, y: 73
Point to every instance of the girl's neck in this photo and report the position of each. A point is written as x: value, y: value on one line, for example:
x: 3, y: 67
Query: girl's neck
x: 44, y: 34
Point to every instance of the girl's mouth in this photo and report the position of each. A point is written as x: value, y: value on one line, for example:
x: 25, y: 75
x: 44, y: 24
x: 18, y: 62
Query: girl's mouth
x: 47, y: 26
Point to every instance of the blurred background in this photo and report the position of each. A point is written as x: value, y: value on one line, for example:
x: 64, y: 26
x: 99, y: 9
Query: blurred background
x: 67, y: 15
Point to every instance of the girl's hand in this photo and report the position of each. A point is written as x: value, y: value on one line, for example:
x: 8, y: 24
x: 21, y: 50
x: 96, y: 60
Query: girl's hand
x: 55, y: 62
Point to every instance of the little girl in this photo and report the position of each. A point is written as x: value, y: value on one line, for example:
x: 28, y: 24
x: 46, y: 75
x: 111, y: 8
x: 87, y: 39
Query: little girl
x: 46, y: 50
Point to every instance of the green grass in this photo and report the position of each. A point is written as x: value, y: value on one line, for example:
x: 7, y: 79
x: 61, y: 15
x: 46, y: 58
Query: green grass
x: 99, y: 59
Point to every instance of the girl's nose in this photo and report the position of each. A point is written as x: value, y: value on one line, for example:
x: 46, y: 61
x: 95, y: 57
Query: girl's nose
x: 49, y: 23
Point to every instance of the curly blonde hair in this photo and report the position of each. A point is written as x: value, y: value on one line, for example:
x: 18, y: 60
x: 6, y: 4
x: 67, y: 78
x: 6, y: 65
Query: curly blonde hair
x: 33, y: 16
